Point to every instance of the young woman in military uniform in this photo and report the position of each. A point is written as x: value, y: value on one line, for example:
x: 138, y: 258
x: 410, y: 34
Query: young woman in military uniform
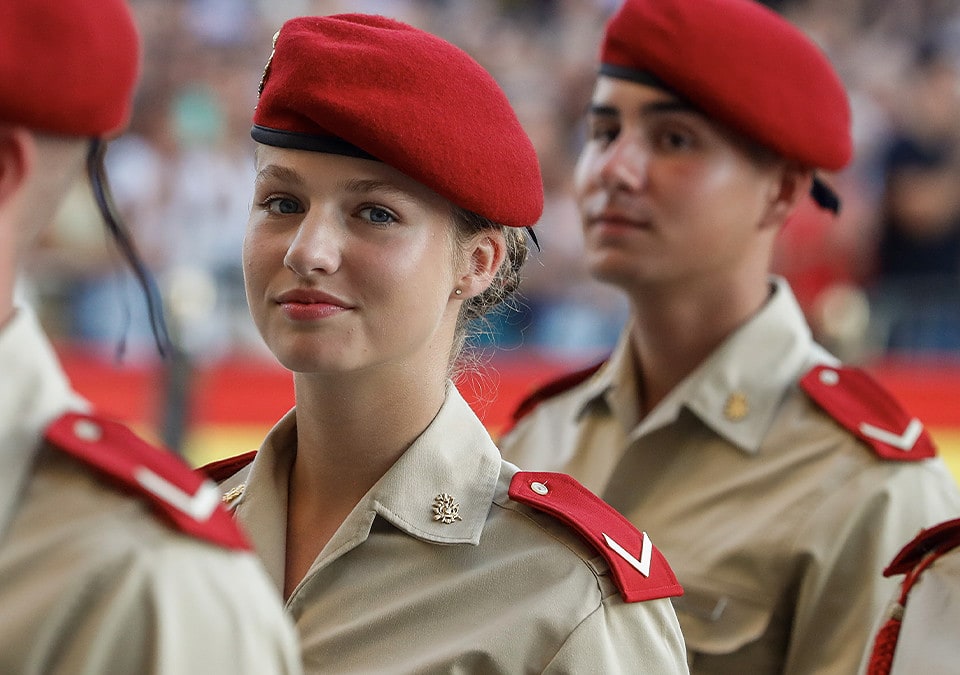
x: 393, y: 185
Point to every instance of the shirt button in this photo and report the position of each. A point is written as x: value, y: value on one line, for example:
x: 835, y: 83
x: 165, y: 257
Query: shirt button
x: 539, y: 488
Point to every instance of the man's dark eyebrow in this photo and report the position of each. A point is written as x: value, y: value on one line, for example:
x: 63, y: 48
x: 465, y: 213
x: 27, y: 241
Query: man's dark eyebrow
x: 599, y: 110
x: 652, y: 108
x: 669, y: 106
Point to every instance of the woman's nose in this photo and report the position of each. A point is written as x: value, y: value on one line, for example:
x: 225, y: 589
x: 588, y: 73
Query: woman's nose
x: 316, y: 247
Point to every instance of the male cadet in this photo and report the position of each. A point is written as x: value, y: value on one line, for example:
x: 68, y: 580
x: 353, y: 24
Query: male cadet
x: 776, y: 481
x: 114, y: 557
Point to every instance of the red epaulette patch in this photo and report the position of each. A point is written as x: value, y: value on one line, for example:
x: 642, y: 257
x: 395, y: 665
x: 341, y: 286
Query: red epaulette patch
x: 869, y: 412
x: 551, y: 389
x: 639, y: 570
x: 223, y: 469
x: 184, y: 498
x: 937, y: 539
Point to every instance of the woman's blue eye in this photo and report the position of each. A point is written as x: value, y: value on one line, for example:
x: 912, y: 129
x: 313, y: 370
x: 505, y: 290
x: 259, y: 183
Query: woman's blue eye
x: 377, y: 215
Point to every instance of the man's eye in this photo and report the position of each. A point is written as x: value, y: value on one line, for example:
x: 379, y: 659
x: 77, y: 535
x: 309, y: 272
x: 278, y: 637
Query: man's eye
x: 605, y: 134
x: 282, y: 206
x: 675, y: 140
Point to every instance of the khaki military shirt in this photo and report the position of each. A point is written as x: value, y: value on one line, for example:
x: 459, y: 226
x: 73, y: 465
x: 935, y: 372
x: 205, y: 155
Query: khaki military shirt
x: 499, y: 588
x: 777, y: 521
x: 90, y: 580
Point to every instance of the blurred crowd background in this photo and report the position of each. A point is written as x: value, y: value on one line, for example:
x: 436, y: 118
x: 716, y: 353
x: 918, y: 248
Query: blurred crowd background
x: 882, y: 278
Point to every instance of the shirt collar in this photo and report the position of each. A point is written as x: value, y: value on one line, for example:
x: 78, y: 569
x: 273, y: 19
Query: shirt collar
x: 262, y: 507
x: 614, y: 386
x: 33, y: 392
x: 736, y: 391
x: 452, y: 467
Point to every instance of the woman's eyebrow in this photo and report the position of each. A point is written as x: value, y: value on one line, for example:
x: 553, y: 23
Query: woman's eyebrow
x: 281, y: 173
x: 369, y: 184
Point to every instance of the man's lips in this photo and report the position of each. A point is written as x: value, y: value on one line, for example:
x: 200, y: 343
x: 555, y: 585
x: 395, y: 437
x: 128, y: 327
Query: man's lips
x: 617, y: 220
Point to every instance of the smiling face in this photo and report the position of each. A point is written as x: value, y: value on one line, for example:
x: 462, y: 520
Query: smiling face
x: 669, y: 196
x: 348, y: 264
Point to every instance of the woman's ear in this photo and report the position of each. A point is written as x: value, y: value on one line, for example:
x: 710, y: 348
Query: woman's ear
x: 17, y: 155
x: 793, y: 184
x: 484, y: 258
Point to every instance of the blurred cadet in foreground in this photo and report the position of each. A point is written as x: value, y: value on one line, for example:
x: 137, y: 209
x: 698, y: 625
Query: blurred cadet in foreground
x: 114, y: 556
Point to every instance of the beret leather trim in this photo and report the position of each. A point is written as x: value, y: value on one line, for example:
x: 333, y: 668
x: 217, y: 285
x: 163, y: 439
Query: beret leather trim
x: 632, y: 75
x: 299, y: 141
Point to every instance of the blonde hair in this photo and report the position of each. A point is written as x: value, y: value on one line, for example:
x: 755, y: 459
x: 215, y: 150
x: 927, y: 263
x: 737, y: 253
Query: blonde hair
x: 501, y: 290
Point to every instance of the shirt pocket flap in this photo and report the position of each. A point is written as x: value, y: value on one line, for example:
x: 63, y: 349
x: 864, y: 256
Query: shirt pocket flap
x: 717, y: 623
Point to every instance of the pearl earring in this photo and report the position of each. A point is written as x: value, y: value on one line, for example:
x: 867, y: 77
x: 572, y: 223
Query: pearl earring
x: 458, y: 292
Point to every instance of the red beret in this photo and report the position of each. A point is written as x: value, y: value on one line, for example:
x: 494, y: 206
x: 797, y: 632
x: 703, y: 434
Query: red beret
x: 68, y: 67
x: 373, y: 87
x: 742, y: 64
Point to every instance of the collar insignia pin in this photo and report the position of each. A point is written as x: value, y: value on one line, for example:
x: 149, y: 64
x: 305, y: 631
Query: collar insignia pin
x: 233, y: 494
x: 736, y: 407
x: 445, y: 509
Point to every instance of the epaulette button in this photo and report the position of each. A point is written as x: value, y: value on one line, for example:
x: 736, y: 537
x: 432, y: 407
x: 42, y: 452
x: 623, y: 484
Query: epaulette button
x: 829, y: 377
x: 87, y: 430
x: 539, y: 488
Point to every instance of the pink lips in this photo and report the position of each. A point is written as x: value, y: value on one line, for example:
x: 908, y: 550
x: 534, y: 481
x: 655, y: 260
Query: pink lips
x: 310, y: 305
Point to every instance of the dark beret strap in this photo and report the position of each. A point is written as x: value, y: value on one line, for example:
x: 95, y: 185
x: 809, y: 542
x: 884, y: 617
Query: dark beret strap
x: 298, y: 141
x: 633, y: 75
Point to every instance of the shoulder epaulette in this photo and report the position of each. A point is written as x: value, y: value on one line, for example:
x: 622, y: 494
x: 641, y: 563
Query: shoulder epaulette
x: 552, y: 388
x: 862, y: 406
x: 638, y: 568
x: 223, y: 469
x: 935, y: 540
x: 182, y: 497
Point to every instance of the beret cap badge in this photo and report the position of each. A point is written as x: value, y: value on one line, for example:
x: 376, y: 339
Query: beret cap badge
x: 266, y: 68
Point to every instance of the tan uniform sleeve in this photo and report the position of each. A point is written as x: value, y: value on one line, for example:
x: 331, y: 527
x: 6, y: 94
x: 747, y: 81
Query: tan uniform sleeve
x: 852, y: 536
x: 624, y: 638
x: 185, y: 608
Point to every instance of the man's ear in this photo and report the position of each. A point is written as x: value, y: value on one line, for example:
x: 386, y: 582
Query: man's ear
x: 793, y: 184
x: 17, y: 157
x: 484, y: 258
